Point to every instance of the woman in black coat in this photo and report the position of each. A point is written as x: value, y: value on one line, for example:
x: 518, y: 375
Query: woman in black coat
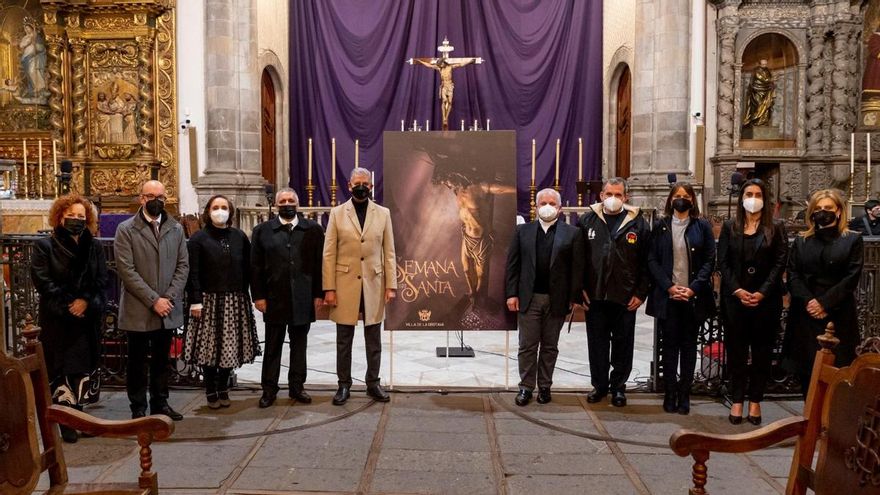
x: 70, y: 274
x: 823, y: 272
x: 681, y: 259
x: 222, y: 332
x: 752, y: 253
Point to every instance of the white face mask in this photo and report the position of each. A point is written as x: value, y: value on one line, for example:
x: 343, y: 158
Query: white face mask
x: 612, y: 204
x: 753, y: 205
x: 219, y: 217
x: 548, y: 213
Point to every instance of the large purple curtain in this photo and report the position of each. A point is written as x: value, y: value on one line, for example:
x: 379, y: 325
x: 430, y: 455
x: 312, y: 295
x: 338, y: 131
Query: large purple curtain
x: 541, y: 76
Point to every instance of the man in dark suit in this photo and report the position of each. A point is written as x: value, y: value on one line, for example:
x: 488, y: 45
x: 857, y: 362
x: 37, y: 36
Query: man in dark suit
x: 545, y: 266
x: 286, y: 286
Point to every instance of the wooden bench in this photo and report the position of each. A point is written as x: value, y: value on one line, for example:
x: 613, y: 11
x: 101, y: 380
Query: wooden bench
x: 841, y: 419
x: 25, y: 406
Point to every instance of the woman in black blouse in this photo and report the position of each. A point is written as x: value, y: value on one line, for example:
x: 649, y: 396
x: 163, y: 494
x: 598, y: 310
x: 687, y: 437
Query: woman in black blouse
x: 222, y: 331
x: 752, y: 253
x: 823, y: 272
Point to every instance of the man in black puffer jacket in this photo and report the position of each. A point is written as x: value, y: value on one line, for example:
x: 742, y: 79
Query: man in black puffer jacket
x: 616, y: 284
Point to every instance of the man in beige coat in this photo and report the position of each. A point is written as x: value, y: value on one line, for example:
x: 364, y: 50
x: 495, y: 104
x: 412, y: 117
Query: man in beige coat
x: 359, y: 274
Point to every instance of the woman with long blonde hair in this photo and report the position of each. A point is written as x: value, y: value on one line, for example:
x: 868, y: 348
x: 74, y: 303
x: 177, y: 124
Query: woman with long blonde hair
x: 824, y: 268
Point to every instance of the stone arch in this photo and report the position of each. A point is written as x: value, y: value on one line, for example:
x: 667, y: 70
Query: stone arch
x: 621, y: 62
x: 271, y: 64
x: 795, y: 40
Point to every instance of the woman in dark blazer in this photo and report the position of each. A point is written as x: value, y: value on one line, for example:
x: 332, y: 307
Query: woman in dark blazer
x: 70, y: 274
x: 681, y: 259
x: 823, y: 272
x: 752, y: 253
x: 222, y: 333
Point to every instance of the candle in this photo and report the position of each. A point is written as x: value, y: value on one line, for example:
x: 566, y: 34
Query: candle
x: 533, y: 162
x: 852, y: 154
x: 462, y: 124
x: 475, y: 124
x: 40, y: 166
x: 487, y: 124
x: 310, y: 160
x: 427, y: 125
x: 356, y: 160
x: 373, y: 178
x: 401, y: 125
x: 24, y: 154
x: 580, y: 159
x: 868, y: 186
x: 54, y: 157
x: 333, y: 159
x: 415, y: 125
x: 557, y: 160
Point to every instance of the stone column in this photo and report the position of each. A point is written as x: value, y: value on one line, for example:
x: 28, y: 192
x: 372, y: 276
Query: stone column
x: 232, y: 164
x: 728, y: 27
x: 660, y: 98
x: 816, y: 89
x: 840, y: 113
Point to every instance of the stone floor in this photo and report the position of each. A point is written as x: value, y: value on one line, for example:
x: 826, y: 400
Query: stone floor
x: 429, y: 442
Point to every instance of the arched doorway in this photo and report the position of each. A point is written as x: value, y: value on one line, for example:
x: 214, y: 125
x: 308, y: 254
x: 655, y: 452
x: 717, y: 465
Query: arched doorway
x: 267, y: 127
x: 624, y: 124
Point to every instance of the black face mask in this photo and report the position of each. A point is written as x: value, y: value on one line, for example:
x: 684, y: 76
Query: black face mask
x: 681, y: 205
x: 287, y: 212
x: 824, y: 218
x: 155, y: 207
x: 74, y: 225
x: 360, y: 192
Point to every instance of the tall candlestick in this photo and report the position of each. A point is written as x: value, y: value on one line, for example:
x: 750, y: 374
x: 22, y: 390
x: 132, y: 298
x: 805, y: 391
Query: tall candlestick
x: 310, y: 160
x: 852, y: 164
x: 462, y: 124
x: 40, y: 166
x: 333, y: 159
x: 580, y: 159
x: 356, y: 158
x: 24, y: 154
x: 54, y: 158
x: 557, y: 160
x: 533, y: 161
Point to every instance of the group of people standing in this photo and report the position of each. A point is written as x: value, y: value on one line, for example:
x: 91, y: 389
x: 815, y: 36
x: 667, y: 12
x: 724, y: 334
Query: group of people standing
x: 612, y: 261
x: 609, y: 264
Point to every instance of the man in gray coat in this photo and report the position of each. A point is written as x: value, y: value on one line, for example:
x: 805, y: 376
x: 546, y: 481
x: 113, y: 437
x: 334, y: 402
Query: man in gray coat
x: 153, y: 264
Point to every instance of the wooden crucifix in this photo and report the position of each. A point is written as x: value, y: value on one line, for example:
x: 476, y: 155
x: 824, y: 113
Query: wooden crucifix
x: 445, y: 65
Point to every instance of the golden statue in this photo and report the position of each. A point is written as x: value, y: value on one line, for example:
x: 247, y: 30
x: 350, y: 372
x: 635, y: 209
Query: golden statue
x: 760, y: 97
x: 445, y: 65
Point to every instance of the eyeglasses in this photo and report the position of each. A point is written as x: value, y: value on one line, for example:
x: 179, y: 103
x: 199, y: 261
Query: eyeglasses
x: 150, y: 197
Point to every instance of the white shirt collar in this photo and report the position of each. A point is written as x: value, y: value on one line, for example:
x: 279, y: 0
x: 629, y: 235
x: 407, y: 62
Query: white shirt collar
x: 294, y: 221
x: 151, y: 219
x: 545, y: 226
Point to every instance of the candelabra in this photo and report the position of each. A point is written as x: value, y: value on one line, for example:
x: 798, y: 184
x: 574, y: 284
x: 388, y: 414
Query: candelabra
x: 310, y: 189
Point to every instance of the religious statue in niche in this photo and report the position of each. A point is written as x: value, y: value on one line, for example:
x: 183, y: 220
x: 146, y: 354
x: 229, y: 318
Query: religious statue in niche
x: 115, y: 110
x: 760, y: 97
x: 445, y: 65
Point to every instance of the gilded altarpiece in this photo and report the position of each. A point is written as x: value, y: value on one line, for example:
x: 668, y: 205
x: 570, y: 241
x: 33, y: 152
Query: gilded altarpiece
x: 109, y: 97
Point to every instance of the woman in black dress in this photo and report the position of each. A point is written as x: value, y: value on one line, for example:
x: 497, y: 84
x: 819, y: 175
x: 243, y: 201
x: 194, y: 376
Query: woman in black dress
x: 70, y: 274
x: 222, y: 332
x: 752, y: 252
x: 823, y: 272
x: 680, y: 259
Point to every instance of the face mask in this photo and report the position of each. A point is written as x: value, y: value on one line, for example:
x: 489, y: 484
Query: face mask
x: 360, y: 192
x: 219, y: 217
x: 548, y: 213
x: 155, y: 207
x: 287, y: 212
x: 74, y: 225
x: 824, y: 218
x: 613, y: 204
x: 681, y: 205
x: 753, y: 205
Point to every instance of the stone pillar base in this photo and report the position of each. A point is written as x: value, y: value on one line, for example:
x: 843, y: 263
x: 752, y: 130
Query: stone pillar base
x: 242, y: 190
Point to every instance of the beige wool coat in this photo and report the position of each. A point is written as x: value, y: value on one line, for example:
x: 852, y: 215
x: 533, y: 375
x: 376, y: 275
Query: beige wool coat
x: 358, y: 259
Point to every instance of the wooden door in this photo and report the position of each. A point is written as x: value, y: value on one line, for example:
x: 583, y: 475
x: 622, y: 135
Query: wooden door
x: 267, y: 127
x: 624, y: 121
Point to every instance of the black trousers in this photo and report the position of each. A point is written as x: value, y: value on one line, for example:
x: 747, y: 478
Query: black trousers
x: 750, y: 329
x: 156, y: 343
x: 296, y: 373
x: 610, y: 339
x: 679, y: 330
x: 344, y: 341
x: 538, y: 343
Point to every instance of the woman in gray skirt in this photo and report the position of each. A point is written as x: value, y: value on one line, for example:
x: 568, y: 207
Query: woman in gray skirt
x: 222, y: 332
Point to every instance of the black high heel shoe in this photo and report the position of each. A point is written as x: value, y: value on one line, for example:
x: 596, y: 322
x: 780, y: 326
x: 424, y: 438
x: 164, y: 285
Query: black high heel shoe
x: 755, y: 420
x: 735, y: 420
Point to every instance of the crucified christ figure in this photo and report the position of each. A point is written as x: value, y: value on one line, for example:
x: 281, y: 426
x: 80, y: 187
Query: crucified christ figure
x: 445, y: 65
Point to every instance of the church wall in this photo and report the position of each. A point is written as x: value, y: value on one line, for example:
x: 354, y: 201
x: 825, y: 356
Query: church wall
x: 191, y: 94
x: 272, y: 47
x: 618, y: 42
